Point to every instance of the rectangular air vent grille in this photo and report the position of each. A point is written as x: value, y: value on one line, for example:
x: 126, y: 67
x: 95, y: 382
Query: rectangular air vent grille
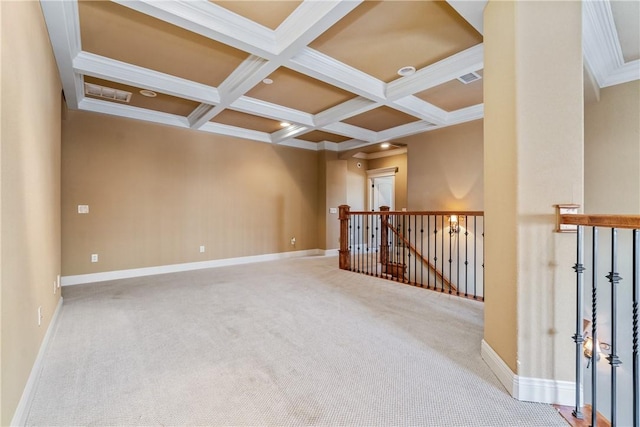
x: 107, y: 92
x: 469, y: 78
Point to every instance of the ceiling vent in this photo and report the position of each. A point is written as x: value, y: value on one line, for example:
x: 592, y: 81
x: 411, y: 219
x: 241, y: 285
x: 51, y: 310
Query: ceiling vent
x: 107, y: 92
x: 469, y: 78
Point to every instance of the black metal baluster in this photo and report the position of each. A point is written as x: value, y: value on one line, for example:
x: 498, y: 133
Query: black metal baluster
x: 422, y: 249
x: 636, y: 294
x: 578, y: 338
x: 614, y: 361
x: 435, y: 251
x: 466, y: 260
x: 450, y: 259
x: 475, y: 257
x: 351, y: 252
x: 594, y: 330
x: 429, y: 251
x: 458, y: 258
x: 442, y: 252
x: 408, y: 246
x: 415, y: 245
x: 375, y: 243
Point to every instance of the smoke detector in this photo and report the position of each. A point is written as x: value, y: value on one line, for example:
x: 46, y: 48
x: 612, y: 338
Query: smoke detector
x: 107, y: 92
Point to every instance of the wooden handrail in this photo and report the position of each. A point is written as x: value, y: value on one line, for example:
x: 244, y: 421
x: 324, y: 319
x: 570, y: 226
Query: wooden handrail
x: 612, y: 221
x: 459, y: 213
x: 424, y: 260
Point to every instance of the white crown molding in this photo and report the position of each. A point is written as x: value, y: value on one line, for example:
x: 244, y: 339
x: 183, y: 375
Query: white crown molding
x: 329, y: 146
x: 421, y: 109
x: 351, y: 131
x: 383, y: 154
x: 221, y: 129
x: 601, y: 46
x: 122, y: 72
x: 469, y: 60
x: 471, y: 11
x: 464, y: 115
x: 211, y: 21
x: 196, y: 115
x: 261, y: 108
x: 347, y: 109
x: 130, y: 112
x: 63, y: 25
x: 298, y: 143
x: 309, y: 20
x: 404, y: 130
x: 327, y: 69
x: 290, y: 131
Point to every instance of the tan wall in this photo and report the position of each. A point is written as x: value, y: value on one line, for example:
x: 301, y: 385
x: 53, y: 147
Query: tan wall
x: 357, y: 184
x: 30, y: 194
x: 157, y: 193
x: 446, y: 168
x: 533, y: 130
x: 400, y: 161
x: 612, y: 151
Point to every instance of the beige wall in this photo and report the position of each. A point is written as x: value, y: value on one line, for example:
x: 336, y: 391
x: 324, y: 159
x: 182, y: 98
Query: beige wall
x: 399, y: 161
x: 157, y: 193
x: 30, y: 194
x: 612, y: 151
x: 533, y: 138
x: 446, y: 168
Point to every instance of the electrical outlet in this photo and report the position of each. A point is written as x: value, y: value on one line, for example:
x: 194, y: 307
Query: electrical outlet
x: 94, y: 257
x: 293, y: 241
x: 39, y: 315
x: 201, y: 249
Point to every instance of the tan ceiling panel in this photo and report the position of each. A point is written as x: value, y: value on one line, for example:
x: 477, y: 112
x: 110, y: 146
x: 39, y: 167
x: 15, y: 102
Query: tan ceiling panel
x: 454, y: 95
x: 164, y: 103
x: 380, y: 119
x: 267, y: 13
x: 248, y: 121
x: 118, y: 32
x: 319, y: 136
x: 381, y: 37
x: 295, y: 90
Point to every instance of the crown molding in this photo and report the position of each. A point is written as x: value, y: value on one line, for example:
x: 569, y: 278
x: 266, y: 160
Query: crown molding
x: 291, y: 131
x: 327, y: 69
x: 122, y: 72
x: 464, y: 115
x: 298, y: 143
x: 63, y: 25
x: 261, y: 108
x: 467, y: 61
x: 221, y: 129
x: 211, y: 21
x: 628, y: 72
x: 404, y: 130
x: 421, y: 109
x: 130, y: 112
x: 347, y: 109
x: 471, y: 11
x: 351, y: 131
x: 381, y: 154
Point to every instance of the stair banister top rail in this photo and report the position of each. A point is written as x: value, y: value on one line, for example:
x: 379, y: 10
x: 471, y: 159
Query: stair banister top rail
x: 461, y: 213
x: 611, y: 221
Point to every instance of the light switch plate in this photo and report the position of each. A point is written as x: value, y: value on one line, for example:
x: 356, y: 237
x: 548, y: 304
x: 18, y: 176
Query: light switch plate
x: 333, y: 210
x: 83, y: 209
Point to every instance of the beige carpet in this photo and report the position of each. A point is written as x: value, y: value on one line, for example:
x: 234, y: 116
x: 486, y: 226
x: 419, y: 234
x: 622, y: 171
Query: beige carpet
x: 294, y: 342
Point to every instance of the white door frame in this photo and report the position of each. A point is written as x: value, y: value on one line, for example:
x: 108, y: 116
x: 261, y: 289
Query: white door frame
x: 378, y: 173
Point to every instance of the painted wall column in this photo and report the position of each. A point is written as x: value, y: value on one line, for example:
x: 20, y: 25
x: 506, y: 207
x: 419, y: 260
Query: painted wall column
x: 533, y: 159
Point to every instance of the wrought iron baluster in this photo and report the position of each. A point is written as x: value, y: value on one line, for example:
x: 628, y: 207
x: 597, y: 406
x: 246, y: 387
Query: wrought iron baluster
x: 614, y: 360
x: 475, y: 257
x: 458, y: 259
x: 408, y: 247
x: 578, y: 337
x: 466, y: 260
x: 442, y: 252
x: 636, y: 295
x: 594, y: 322
x: 422, y: 249
x: 351, y: 252
x: 450, y: 258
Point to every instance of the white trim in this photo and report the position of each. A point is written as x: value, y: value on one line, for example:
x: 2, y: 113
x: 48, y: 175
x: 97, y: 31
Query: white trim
x: 174, y: 268
x: 331, y: 252
x: 381, y: 154
x: 528, y: 389
x: 24, y: 405
x: 376, y: 173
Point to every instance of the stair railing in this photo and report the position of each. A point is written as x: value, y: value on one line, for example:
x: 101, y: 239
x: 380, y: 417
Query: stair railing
x: 613, y: 244
x: 438, y: 250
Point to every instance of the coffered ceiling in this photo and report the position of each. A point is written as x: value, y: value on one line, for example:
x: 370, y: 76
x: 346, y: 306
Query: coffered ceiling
x: 310, y: 74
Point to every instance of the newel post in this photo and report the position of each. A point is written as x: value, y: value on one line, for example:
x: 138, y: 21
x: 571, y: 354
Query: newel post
x: 384, y: 233
x: 344, y: 253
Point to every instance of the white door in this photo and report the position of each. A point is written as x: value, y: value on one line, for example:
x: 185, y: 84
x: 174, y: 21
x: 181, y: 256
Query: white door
x: 382, y: 193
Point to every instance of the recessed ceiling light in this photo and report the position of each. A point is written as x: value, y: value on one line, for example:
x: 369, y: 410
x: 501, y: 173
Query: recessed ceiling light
x: 406, y: 71
x: 267, y: 81
x: 285, y: 124
x: 148, y: 93
x: 385, y: 145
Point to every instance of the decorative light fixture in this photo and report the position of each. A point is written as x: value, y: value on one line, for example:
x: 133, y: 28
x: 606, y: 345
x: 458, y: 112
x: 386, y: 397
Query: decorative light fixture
x: 587, y: 349
x: 385, y: 145
x: 453, y: 224
x: 148, y: 93
x: 284, y: 124
x: 406, y: 71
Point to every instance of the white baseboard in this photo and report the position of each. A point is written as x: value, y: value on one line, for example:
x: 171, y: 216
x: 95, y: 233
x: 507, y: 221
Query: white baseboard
x: 330, y: 252
x: 24, y: 405
x: 174, y: 268
x: 525, y: 388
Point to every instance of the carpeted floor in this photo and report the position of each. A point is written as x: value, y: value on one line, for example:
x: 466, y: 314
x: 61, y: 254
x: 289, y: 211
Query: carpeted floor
x: 294, y: 342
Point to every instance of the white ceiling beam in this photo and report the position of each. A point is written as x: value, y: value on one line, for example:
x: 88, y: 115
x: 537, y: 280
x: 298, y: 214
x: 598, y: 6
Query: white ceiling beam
x: 211, y: 21
x: 351, y: 131
x: 347, y: 109
x: 628, y: 72
x: 130, y: 112
x: 63, y: 25
x: 122, y: 72
x: 404, y: 130
x: 289, y: 132
x: 327, y: 69
x: 467, y: 61
x: 237, y: 132
x: 471, y: 11
x: 464, y: 115
x: 261, y: 108
x: 421, y: 109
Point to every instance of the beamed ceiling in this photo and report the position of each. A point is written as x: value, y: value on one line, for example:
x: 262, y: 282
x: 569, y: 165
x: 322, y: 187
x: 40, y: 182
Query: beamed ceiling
x: 333, y: 64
